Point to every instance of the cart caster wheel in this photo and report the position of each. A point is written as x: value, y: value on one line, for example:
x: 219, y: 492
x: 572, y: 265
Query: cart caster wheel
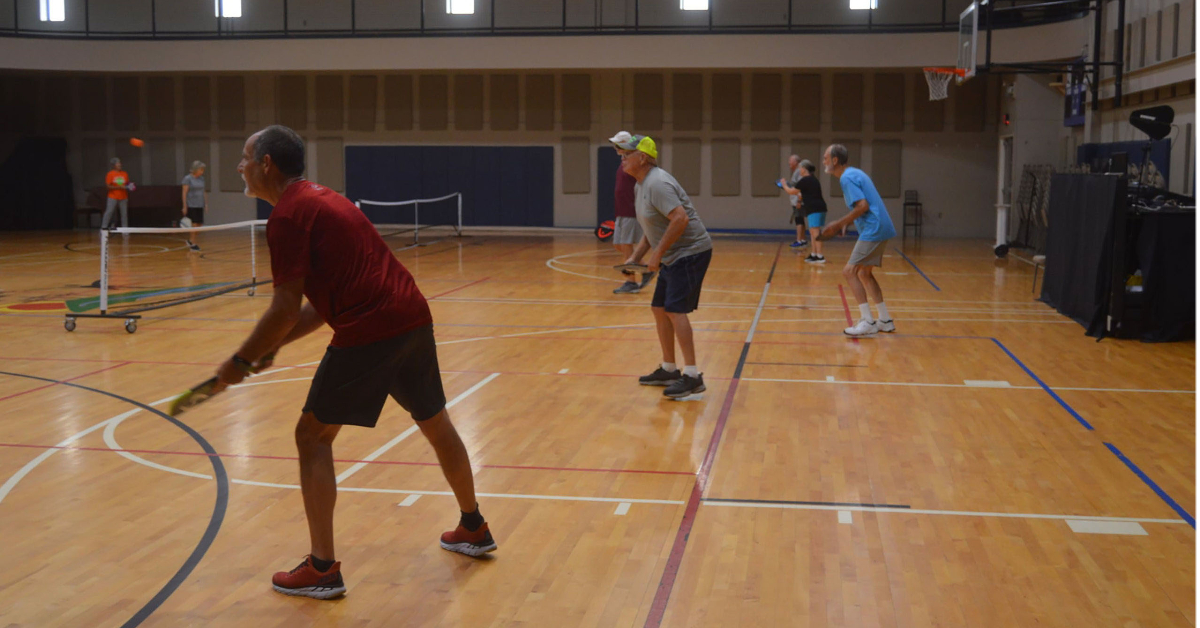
x: 69, y: 324
x: 130, y: 325
x: 250, y: 292
x: 1001, y: 250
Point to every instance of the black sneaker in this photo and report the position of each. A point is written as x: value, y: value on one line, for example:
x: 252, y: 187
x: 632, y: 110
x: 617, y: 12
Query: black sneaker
x: 815, y: 259
x: 193, y: 246
x: 629, y: 287
x: 646, y: 279
x: 659, y: 377
x: 686, y: 385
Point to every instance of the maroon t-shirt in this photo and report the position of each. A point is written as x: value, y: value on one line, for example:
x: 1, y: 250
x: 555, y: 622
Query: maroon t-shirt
x: 350, y: 275
x: 623, y: 193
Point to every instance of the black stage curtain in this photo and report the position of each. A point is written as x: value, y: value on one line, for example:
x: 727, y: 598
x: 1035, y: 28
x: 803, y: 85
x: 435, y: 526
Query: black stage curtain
x: 1078, y: 246
x: 1166, y: 251
x: 37, y: 186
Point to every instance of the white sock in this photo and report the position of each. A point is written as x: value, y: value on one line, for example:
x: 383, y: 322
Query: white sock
x: 691, y: 371
x: 883, y: 313
x: 865, y: 310
x: 669, y: 366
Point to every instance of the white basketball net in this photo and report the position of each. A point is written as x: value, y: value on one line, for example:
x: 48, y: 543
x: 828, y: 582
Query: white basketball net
x: 939, y: 83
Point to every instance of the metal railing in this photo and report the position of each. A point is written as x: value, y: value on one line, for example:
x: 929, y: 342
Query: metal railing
x: 432, y: 22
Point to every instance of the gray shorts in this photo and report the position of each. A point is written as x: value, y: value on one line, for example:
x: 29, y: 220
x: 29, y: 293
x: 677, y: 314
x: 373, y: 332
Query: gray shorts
x: 868, y: 253
x: 626, y: 231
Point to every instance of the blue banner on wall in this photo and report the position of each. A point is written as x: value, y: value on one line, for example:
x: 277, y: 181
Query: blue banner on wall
x: 1157, y: 168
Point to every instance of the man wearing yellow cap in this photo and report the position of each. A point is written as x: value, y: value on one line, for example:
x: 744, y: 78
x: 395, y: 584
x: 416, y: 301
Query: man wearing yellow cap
x: 680, y: 250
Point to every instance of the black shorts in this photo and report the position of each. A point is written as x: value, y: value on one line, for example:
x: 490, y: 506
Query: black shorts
x: 352, y: 383
x: 678, y: 287
x: 196, y: 214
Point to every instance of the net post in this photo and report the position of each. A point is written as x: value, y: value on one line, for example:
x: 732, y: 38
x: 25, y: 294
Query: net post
x: 416, y: 221
x: 458, y: 227
x: 253, y: 259
x: 103, y: 271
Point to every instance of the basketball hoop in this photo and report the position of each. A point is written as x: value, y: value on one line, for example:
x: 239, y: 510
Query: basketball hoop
x: 939, y: 81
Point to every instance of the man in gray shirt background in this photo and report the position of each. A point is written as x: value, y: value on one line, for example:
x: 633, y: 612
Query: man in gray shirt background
x: 680, y: 251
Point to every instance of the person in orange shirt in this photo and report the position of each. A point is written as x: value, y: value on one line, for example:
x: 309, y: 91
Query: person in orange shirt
x: 118, y: 184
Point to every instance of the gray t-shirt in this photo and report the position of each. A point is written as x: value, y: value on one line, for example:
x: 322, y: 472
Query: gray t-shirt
x: 195, y: 193
x: 794, y: 183
x: 654, y: 197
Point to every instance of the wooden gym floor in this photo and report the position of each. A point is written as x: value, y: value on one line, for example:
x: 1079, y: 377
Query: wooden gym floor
x: 986, y: 465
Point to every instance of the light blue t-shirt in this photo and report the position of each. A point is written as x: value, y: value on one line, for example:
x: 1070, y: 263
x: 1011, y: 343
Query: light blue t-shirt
x: 875, y: 225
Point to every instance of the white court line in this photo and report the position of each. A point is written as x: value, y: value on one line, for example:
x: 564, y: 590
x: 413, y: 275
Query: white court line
x: 845, y: 516
x: 622, y: 509
x: 986, y: 383
x: 358, y: 466
x: 410, y: 500
x: 744, y: 306
x: 1083, y: 526
x: 32, y: 464
x: 563, y: 371
x: 920, y: 511
x: 829, y: 380
x: 111, y: 441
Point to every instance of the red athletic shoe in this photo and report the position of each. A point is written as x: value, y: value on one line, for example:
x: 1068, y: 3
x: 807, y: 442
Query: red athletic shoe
x: 306, y: 581
x: 463, y: 541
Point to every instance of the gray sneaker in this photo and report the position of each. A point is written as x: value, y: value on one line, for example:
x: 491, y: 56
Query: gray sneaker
x: 660, y: 377
x: 684, y: 386
x: 646, y: 279
x: 629, y: 287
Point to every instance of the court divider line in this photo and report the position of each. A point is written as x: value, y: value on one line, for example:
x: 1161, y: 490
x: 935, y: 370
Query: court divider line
x: 666, y: 583
x: 220, y: 505
x: 358, y: 466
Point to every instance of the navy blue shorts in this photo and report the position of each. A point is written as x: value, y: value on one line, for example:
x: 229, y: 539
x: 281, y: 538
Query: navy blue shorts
x: 678, y: 287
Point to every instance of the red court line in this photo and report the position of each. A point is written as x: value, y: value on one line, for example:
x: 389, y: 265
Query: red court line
x: 25, y: 392
x: 466, y: 285
x: 666, y: 583
x: 382, y: 462
x: 846, y: 306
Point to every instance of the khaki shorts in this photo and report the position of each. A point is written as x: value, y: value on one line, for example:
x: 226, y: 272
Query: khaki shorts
x: 868, y: 253
x: 627, y: 231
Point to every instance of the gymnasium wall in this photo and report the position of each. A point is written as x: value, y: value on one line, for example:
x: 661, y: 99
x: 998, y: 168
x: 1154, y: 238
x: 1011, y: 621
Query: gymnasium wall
x: 1160, y: 57
x: 725, y: 134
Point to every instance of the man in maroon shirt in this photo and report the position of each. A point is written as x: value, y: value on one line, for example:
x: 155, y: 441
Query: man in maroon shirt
x: 626, y: 230
x: 325, y: 249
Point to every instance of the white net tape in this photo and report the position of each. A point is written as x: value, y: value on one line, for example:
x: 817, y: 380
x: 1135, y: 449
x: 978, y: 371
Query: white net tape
x: 939, y: 83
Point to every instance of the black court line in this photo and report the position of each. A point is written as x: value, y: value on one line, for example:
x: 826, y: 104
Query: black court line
x: 849, y: 366
x: 796, y: 503
x: 214, y: 522
x: 662, y: 595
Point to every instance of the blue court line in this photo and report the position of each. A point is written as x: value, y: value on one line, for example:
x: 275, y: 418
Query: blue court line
x: 910, y: 263
x: 1046, y: 388
x: 1161, y: 493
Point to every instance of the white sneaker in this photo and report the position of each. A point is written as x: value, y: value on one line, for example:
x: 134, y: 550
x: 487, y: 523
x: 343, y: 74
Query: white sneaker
x: 886, y: 327
x: 863, y: 327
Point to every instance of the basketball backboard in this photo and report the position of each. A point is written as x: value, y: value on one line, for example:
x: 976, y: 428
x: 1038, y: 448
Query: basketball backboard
x: 968, y: 37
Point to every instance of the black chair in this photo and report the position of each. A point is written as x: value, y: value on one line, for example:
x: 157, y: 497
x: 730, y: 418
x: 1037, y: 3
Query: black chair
x: 912, y: 202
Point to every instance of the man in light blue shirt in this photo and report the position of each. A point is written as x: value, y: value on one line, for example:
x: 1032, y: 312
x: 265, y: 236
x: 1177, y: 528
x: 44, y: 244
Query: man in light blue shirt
x: 875, y: 228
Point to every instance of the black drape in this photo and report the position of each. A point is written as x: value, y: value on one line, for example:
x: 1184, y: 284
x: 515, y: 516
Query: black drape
x: 37, y: 186
x: 1078, y: 242
x: 1166, y: 253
